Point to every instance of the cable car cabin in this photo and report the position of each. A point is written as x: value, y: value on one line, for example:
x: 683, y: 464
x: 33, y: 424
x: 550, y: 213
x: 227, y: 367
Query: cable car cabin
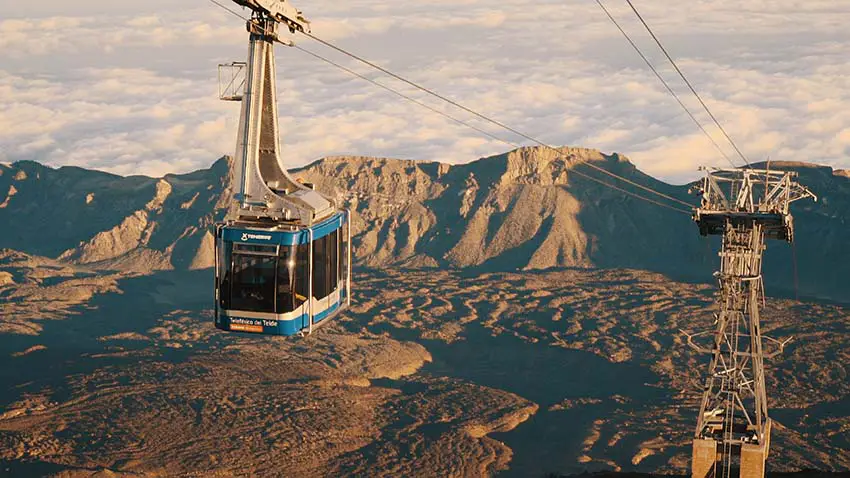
x: 283, y: 252
x: 282, y: 280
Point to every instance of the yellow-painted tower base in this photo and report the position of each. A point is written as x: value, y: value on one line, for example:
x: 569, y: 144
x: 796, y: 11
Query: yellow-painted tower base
x: 707, y: 459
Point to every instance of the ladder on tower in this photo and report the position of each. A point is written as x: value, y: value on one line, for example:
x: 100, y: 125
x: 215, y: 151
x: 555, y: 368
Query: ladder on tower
x: 744, y: 207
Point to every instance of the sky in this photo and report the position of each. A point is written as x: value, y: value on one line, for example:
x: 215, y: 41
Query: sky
x: 131, y: 87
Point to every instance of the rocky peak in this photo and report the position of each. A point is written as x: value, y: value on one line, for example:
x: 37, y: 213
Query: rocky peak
x: 522, y: 209
x: 546, y: 166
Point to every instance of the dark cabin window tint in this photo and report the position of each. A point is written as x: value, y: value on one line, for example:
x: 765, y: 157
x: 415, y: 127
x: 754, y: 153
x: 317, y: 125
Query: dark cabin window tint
x: 333, y: 261
x: 253, y: 248
x: 286, y: 280
x: 320, y: 268
x: 225, y: 275
x: 326, y: 265
x: 302, y: 271
x: 340, y: 270
x: 253, y: 286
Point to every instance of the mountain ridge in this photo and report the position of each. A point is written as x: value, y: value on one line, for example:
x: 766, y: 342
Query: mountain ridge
x: 524, y: 209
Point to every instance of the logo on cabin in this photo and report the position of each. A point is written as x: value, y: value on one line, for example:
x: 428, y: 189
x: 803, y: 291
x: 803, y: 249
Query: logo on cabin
x: 256, y: 237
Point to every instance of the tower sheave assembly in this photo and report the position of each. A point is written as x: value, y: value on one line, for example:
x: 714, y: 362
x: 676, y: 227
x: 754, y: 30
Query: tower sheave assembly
x: 283, y: 252
x: 745, y: 207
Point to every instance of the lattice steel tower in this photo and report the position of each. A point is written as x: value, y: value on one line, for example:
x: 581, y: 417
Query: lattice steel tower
x: 745, y: 207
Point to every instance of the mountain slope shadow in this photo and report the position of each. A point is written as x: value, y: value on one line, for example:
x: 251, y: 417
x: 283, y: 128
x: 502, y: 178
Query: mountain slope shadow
x: 550, y: 439
x: 76, y: 344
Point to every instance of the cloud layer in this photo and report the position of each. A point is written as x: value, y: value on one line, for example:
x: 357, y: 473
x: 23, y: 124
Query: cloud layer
x: 131, y: 88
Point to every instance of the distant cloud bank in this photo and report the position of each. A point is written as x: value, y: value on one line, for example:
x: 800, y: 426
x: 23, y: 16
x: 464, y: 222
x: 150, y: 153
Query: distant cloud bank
x: 131, y: 88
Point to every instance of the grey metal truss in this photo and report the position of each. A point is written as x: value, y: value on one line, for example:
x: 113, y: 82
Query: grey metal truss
x: 744, y: 207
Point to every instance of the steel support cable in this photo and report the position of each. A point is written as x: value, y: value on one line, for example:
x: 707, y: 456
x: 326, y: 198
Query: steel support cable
x: 486, y: 118
x: 473, y: 127
x: 693, y: 90
x: 228, y: 9
x: 664, y: 82
x: 402, y: 95
x: 468, y: 125
x: 381, y: 85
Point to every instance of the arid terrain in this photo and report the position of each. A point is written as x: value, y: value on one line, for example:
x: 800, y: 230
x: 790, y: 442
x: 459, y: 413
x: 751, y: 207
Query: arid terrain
x: 431, y: 373
x: 505, y: 321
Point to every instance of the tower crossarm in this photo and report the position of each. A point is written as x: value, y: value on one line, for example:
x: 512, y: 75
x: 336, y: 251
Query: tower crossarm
x: 751, y: 190
x: 746, y: 196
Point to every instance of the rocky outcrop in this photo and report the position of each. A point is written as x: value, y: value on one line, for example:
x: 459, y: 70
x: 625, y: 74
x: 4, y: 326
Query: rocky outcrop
x: 524, y: 209
x: 9, y: 196
x: 132, y: 235
x: 110, y: 222
x: 6, y: 278
x: 534, y: 209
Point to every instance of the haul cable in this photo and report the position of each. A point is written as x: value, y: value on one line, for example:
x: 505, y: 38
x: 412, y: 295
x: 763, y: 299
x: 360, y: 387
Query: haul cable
x: 693, y: 90
x: 471, y: 126
x: 484, y: 117
x: 664, y: 82
x: 467, y: 124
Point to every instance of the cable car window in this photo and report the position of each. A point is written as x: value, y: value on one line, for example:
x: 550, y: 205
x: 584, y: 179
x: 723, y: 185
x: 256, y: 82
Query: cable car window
x: 325, y: 252
x: 320, y: 268
x: 253, y: 286
x: 255, y: 249
x: 302, y: 273
x: 224, y: 277
x: 286, y: 301
x: 332, y: 247
x: 341, y: 258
